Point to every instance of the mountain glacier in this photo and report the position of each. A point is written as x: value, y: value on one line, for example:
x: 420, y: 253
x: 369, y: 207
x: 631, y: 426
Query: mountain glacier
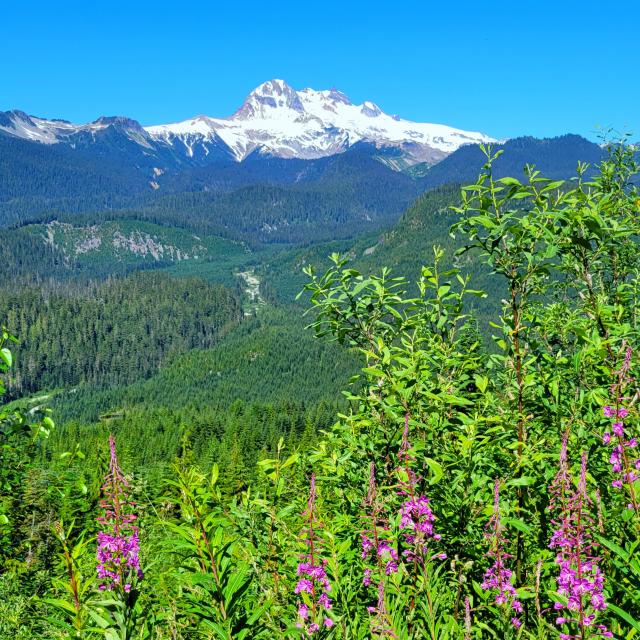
x: 275, y: 120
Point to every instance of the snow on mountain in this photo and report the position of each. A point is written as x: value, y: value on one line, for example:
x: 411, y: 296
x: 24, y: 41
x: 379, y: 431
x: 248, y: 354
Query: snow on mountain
x: 286, y: 123
x: 275, y: 119
x: 21, y: 125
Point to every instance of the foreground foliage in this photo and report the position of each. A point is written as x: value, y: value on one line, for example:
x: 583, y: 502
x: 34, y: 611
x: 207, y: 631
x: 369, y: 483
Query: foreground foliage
x: 469, y: 490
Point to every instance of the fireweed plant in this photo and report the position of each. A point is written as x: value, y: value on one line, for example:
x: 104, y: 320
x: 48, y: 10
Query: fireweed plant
x: 313, y: 586
x: 498, y: 577
x: 580, y: 581
x: 379, y: 556
x: 624, y: 459
x: 385, y: 550
x: 416, y: 516
x: 405, y: 533
x: 118, y: 548
x: 376, y: 538
x: 118, y: 560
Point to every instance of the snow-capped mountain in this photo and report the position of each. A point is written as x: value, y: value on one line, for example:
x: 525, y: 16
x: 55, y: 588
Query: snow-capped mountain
x: 274, y: 120
x: 21, y: 125
x: 280, y: 121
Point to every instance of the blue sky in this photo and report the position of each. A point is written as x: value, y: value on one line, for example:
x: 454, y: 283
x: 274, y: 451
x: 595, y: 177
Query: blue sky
x: 504, y: 68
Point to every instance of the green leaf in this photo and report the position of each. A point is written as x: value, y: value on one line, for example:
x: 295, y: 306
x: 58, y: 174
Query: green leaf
x: 518, y: 524
x: 436, y: 470
x: 612, y: 546
x: 6, y: 356
x: 60, y: 604
x: 507, y: 181
x: 220, y: 631
x: 624, y: 615
x: 215, y: 472
x: 523, y: 481
x: 482, y: 382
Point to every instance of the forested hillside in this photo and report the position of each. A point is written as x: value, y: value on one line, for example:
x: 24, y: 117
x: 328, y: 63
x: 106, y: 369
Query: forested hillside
x: 111, y: 333
x: 403, y: 249
x: 556, y: 158
x: 189, y: 467
x: 266, y: 379
x: 36, y: 178
x: 261, y: 200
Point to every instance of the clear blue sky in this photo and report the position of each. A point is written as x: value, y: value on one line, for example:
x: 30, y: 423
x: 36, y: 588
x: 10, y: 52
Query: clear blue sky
x: 505, y: 68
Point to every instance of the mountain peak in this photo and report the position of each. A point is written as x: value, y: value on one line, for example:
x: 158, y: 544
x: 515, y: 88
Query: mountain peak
x: 275, y: 85
x: 277, y: 120
x: 274, y: 119
x: 370, y: 109
x: 119, y: 122
x: 19, y: 114
x: 338, y: 96
x: 266, y: 98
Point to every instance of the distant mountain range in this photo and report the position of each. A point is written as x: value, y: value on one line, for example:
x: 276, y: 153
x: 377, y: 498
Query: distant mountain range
x: 275, y: 120
x: 288, y: 167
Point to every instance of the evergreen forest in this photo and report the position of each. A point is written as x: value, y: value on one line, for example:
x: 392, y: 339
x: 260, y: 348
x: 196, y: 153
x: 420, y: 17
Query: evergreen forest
x: 309, y: 416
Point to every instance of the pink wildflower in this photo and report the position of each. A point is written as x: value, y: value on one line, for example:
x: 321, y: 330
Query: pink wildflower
x: 580, y: 580
x: 498, y: 575
x: 118, y: 561
x: 623, y: 459
x: 313, y: 586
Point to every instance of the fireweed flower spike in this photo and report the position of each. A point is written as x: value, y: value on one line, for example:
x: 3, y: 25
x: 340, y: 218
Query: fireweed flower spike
x: 118, y: 562
x: 498, y: 576
x: 580, y: 580
x: 467, y: 619
x: 377, y: 545
x: 416, y: 516
x: 381, y: 624
x: 313, y: 586
x: 624, y: 459
x: 382, y: 558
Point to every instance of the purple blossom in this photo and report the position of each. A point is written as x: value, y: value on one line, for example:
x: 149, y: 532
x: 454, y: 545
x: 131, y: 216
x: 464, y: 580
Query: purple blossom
x: 304, y: 586
x: 623, y: 459
x: 324, y: 601
x: 579, y: 580
x: 379, y: 551
x: 498, y: 576
x: 313, y: 586
x: 416, y: 516
x: 117, y: 554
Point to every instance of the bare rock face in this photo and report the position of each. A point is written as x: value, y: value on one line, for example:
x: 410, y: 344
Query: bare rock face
x: 274, y: 94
